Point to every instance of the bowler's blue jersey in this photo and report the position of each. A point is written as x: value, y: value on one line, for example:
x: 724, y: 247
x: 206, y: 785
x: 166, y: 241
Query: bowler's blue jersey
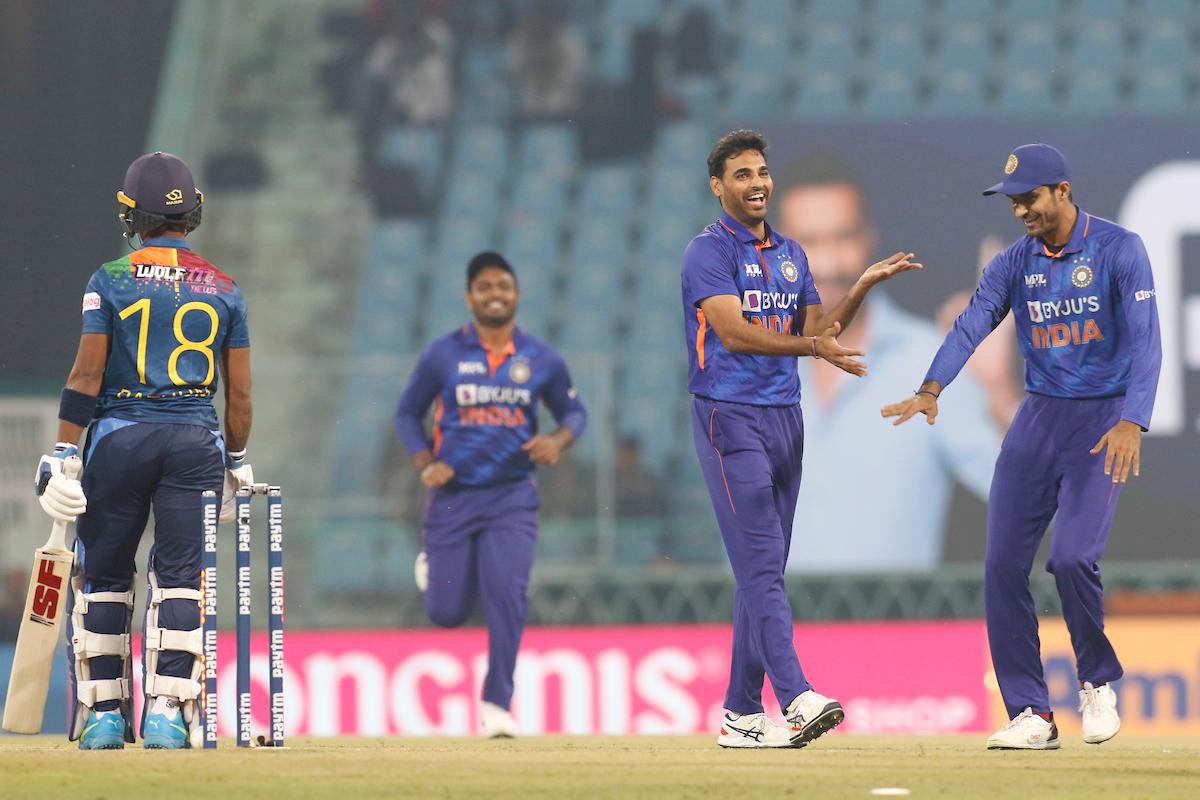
x: 772, y: 280
x: 1087, y: 318
x: 484, y: 404
x: 170, y: 313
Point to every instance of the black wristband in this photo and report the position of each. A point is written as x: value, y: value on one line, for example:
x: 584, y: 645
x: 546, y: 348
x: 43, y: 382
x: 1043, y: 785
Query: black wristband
x: 926, y: 391
x: 76, y: 407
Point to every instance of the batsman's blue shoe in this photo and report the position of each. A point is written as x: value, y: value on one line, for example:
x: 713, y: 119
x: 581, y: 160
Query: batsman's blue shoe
x: 165, y: 732
x: 103, y: 731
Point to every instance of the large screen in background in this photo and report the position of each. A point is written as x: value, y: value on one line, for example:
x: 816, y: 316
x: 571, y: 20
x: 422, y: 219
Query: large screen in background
x: 917, y: 187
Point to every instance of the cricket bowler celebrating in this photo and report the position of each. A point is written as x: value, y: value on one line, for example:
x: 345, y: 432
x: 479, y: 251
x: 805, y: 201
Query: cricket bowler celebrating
x: 484, y: 380
x: 750, y: 309
x: 1082, y: 293
x: 159, y: 326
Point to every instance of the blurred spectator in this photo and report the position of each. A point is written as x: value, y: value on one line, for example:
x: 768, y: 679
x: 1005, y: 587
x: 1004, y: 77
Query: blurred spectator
x: 546, y: 60
x: 690, y: 44
x: 638, y: 490
x: 569, y: 489
x: 407, y: 75
x: 902, y: 525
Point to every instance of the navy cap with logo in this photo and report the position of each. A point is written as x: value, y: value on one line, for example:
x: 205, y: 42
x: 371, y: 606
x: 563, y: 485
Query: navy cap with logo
x: 1031, y: 166
x: 160, y: 183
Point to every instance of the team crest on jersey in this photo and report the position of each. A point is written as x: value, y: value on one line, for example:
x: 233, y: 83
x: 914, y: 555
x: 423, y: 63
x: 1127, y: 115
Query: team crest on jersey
x: 1010, y: 166
x: 789, y: 271
x: 1081, y: 276
x: 519, y: 371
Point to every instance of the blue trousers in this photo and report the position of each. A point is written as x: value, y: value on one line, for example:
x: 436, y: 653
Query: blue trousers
x: 131, y: 467
x: 1044, y: 468
x: 479, y: 542
x: 751, y: 460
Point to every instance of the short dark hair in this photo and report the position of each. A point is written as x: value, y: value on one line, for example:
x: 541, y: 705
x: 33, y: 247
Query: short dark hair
x: 730, y: 145
x: 823, y: 169
x: 488, y: 258
x: 1070, y: 193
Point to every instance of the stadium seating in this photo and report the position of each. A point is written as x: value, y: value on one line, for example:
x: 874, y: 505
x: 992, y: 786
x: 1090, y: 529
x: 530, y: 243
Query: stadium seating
x: 597, y: 243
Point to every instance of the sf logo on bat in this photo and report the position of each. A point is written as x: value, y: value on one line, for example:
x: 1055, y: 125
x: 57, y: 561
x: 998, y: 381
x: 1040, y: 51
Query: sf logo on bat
x: 47, y: 594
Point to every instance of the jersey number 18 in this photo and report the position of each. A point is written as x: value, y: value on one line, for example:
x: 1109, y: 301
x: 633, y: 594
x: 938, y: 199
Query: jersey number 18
x: 185, y: 344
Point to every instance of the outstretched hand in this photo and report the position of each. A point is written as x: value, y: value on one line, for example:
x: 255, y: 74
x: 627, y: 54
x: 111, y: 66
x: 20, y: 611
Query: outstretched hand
x: 922, y: 403
x: 894, y: 264
x: 827, y: 347
x: 1124, y: 443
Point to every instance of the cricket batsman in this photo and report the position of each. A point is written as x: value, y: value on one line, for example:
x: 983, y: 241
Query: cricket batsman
x: 1082, y: 293
x: 749, y: 310
x: 484, y: 381
x: 160, y: 326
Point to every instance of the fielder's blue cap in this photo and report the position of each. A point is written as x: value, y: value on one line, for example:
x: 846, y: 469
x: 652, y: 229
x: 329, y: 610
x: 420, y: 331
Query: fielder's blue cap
x: 1031, y: 166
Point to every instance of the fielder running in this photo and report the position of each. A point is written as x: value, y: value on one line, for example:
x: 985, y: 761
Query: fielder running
x: 159, y: 326
x: 484, y: 380
x: 750, y: 309
x: 1082, y: 293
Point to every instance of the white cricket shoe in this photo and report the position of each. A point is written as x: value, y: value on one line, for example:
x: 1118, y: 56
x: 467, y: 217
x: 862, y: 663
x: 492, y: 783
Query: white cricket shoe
x: 811, y: 715
x: 1098, y: 705
x: 496, y: 722
x: 421, y: 571
x: 753, y: 730
x: 1025, y: 731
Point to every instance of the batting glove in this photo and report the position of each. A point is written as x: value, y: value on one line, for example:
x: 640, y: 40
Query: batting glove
x: 238, y: 475
x: 61, y: 497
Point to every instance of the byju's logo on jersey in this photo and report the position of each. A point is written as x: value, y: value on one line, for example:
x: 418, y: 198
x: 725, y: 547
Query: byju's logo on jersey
x: 1139, y: 296
x: 755, y: 300
x: 471, y: 368
x: 753, y: 271
x: 470, y: 394
x: 1038, y: 279
x: 1070, y: 307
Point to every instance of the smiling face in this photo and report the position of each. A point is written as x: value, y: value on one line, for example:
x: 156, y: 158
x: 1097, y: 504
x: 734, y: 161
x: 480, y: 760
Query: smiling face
x: 1044, y: 211
x: 744, y: 188
x: 492, y: 297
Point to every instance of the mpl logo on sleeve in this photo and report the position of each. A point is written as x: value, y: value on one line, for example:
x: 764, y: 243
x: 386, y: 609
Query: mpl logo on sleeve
x: 91, y: 302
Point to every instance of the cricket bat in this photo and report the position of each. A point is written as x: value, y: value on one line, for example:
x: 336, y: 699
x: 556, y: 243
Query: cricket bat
x: 41, y: 622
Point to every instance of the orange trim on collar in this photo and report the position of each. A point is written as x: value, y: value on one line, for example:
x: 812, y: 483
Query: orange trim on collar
x: 496, y: 359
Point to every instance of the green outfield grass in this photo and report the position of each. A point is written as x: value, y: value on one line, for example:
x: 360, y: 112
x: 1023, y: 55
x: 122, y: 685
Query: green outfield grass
x: 566, y: 767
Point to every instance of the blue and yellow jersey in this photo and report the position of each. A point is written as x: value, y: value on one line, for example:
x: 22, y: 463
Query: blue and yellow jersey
x: 170, y: 314
x: 772, y: 280
x: 485, y: 404
x: 1087, y: 318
